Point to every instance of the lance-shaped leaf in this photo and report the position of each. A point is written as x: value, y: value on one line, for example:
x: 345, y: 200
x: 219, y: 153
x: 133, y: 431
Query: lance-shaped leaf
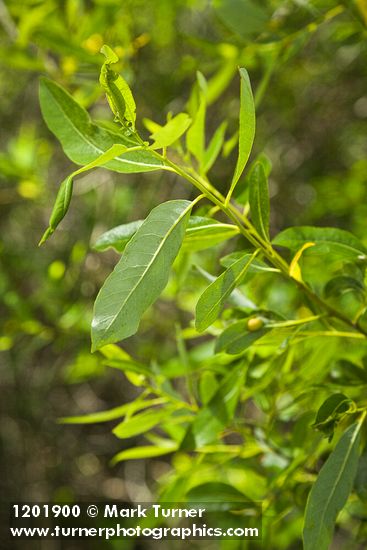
x: 141, y: 274
x: 259, y: 199
x: 211, y: 301
x: 205, y: 233
x: 142, y: 422
x: 113, y: 414
x: 65, y: 192
x: 201, y: 233
x: 236, y: 298
x: 247, y: 129
x: 147, y: 451
x: 170, y: 132
x: 117, y: 90
x: 326, y: 240
x: 331, y: 490
x: 82, y: 140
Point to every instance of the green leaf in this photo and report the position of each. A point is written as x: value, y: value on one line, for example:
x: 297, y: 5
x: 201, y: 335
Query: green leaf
x: 128, y: 367
x: 257, y: 266
x: 112, y: 414
x: 84, y: 141
x: 147, y: 451
x: 141, y: 274
x: 326, y: 239
x: 174, y: 129
x: 259, y: 200
x: 331, y: 490
x: 60, y: 208
x: 237, y: 338
x: 63, y: 197
x: 118, y: 92
x: 236, y: 298
x: 211, y: 301
x: 247, y: 129
x: 214, y: 147
x: 242, y: 189
x: 140, y: 423
x: 203, y: 233
x: 117, y: 237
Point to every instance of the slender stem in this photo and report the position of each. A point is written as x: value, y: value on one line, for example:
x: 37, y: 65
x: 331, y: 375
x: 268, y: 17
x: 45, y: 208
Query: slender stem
x: 294, y: 322
x: 250, y: 233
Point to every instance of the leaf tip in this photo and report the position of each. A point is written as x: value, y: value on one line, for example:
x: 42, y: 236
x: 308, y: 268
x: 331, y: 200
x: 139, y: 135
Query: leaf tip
x: 45, y: 236
x: 110, y: 55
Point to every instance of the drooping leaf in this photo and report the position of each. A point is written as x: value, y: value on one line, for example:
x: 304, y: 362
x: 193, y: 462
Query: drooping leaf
x: 259, y: 200
x: 211, y: 301
x: 170, y: 132
x: 141, y: 274
x: 237, y: 337
x: 141, y: 423
x: 118, y: 92
x: 82, y: 140
x: 247, y: 129
x: 113, y: 414
x: 331, y: 490
x: 147, y: 451
x: 326, y: 239
x: 64, y: 195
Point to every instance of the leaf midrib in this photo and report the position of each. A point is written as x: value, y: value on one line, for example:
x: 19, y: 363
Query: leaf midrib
x: 332, y: 492
x: 148, y: 265
x: 230, y: 289
x: 92, y: 144
x: 305, y: 239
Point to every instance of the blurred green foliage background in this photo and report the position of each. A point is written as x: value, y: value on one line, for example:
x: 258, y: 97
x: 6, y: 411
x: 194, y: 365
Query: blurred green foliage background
x: 308, y: 65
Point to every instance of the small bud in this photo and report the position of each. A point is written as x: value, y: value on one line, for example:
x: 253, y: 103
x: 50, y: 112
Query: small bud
x: 255, y: 324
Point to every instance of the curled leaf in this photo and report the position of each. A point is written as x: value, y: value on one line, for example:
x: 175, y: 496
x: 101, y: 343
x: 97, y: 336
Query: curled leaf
x: 117, y: 90
x: 294, y: 268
